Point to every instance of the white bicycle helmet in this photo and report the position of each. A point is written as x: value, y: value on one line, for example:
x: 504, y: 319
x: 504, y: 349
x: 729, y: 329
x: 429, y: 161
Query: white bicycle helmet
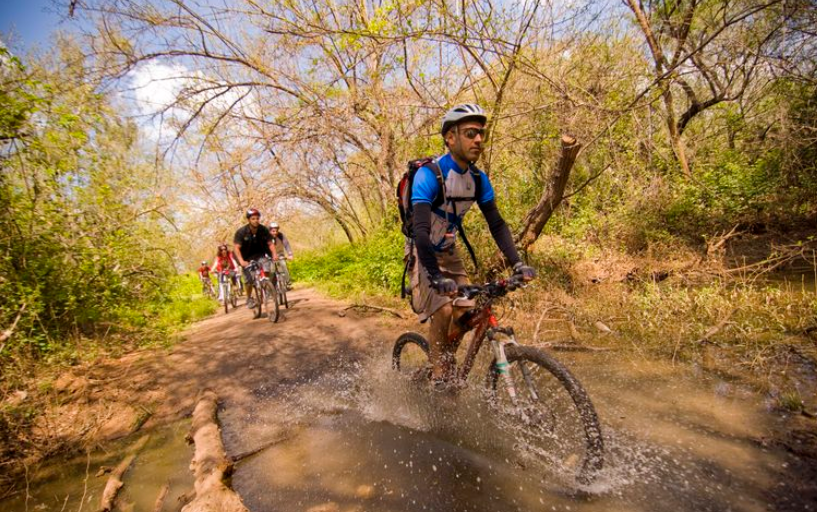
x: 460, y: 113
x: 273, y: 225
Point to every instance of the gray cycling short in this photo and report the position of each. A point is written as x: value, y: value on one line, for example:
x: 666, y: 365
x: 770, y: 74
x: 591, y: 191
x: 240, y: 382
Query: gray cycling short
x: 424, y: 299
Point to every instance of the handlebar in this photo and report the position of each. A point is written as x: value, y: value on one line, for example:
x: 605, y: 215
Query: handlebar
x: 498, y: 288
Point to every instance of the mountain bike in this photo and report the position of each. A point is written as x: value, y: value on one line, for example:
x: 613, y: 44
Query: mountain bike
x: 207, y: 287
x: 226, y: 290
x: 265, y: 294
x: 544, y: 402
x: 281, y: 283
x: 238, y: 283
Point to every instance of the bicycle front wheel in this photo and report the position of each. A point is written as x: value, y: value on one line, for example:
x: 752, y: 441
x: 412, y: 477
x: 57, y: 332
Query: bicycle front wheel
x: 259, y: 299
x: 271, y: 302
x: 225, y: 294
x: 551, y: 415
x: 282, y: 291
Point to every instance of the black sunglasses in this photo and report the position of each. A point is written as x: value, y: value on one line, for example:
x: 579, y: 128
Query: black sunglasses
x: 471, y: 133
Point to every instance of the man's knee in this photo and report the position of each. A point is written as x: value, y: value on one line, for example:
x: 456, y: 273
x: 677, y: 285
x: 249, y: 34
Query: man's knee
x: 444, y: 312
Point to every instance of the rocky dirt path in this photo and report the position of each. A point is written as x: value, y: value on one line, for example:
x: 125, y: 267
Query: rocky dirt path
x: 236, y: 355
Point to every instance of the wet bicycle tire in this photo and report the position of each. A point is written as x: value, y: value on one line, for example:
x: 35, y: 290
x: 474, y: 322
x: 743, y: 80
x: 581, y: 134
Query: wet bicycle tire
x: 271, y: 302
x: 410, y: 355
x: 594, y: 445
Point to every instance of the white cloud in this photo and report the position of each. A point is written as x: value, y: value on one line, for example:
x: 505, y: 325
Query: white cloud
x: 156, y: 87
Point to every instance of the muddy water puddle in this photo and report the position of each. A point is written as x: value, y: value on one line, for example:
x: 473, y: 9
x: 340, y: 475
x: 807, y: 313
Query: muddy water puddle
x: 72, y: 485
x: 358, y: 440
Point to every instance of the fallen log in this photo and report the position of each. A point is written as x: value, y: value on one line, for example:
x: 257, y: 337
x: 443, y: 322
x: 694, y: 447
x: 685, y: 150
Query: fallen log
x: 114, y: 482
x: 210, y: 465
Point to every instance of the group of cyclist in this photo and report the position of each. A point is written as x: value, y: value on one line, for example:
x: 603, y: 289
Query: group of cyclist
x: 251, y: 242
x: 441, y: 195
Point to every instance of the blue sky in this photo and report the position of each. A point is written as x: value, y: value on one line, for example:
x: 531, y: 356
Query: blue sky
x: 30, y: 21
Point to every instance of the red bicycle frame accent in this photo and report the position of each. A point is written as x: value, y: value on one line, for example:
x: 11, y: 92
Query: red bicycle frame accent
x: 480, y: 322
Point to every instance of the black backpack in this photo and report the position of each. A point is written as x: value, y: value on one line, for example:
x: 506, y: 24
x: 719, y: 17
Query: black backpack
x: 404, y: 190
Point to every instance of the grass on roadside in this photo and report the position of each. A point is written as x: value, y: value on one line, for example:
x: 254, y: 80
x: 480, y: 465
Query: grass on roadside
x: 370, y: 269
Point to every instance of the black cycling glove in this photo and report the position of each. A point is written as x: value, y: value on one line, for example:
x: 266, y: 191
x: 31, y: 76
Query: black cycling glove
x: 444, y: 285
x: 525, y: 272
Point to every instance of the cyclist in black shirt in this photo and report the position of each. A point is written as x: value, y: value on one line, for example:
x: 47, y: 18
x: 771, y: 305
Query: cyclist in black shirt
x: 253, y: 241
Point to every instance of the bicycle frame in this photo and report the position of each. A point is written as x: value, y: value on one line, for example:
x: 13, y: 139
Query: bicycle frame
x: 484, y: 323
x: 225, y: 283
x: 480, y: 320
x: 260, y: 276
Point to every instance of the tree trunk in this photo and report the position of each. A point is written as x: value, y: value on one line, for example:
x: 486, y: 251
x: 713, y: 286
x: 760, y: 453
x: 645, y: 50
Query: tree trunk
x: 676, y: 140
x: 345, y: 226
x: 552, y: 195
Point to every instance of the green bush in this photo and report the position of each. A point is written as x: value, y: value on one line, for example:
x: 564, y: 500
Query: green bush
x: 373, y: 266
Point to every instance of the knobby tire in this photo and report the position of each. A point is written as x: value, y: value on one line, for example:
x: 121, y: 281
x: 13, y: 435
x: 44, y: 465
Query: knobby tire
x: 271, y: 300
x: 259, y: 300
x: 405, y: 339
x: 594, y: 444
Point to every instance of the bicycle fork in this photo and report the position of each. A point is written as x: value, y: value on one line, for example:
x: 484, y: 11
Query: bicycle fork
x: 499, y: 338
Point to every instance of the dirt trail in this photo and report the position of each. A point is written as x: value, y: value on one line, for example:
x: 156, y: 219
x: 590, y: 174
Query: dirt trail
x: 239, y: 356
x: 289, y: 395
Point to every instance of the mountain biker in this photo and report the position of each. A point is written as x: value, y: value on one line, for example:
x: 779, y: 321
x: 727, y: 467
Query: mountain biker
x: 439, y: 269
x: 225, y: 262
x: 283, y: 247
x: 252, y: 241
x: 204, y: 275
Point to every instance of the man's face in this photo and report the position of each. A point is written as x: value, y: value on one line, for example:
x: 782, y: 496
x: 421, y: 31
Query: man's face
x: 255, y: 220
x: 465, y: 140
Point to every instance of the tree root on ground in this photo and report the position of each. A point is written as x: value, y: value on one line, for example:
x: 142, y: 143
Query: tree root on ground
x: 249, y: 453
x: 115, y: 480
x: 160, y: 499
x: 210, y: 465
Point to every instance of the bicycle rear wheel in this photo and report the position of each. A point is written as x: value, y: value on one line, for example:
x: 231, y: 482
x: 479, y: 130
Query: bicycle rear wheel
x: 553, y: 416
x: 410, y: 356
x: 233, y: 297
x: 271, y: 302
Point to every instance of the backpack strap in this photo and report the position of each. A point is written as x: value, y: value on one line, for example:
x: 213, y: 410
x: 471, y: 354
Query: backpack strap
x: 438, y: 173
x: 477, y: 189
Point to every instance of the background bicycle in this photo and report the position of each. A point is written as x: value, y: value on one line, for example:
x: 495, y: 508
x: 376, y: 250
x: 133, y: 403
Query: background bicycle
x: 207, y: 288
x: 264, y: 291
x: 281, y: 281
x: 227, y: 291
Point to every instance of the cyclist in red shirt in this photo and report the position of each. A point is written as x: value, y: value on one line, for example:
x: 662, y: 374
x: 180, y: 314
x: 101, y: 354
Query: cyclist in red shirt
x: 225, y: 262
x: 204, y: 277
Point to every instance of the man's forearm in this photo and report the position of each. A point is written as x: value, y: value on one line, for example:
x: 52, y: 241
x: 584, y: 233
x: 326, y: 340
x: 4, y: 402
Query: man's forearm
x: 422, y: 238
x: 500, y: 232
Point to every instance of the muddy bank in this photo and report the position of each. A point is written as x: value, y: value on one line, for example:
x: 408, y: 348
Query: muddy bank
x: 96, y: 404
